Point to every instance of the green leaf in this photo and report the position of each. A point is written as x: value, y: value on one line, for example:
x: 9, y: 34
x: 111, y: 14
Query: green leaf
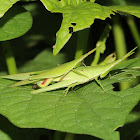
x: 76, y: 16
x: 86, y: 110
x: 16, y: 22
x: 5, y: 5
x: 4, y: 136
x: 133, y: 10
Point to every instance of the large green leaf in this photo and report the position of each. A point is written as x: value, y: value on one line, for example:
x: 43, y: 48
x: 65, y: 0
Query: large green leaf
x: 86, y: 110
x: 5, y: 5
x: 16, y: 22
x: 76, y: 16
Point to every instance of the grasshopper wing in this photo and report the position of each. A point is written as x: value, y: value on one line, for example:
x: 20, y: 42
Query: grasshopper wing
x: 61, y: 69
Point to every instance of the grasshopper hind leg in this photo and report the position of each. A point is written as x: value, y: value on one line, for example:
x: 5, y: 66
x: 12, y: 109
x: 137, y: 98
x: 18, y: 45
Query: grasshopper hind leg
x: 99, y: 83
x: 70, y: 86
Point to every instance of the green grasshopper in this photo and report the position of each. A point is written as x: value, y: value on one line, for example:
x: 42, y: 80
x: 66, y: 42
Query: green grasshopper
x: 49, y: 75
x: 82, y: 74
x: 69, y: 77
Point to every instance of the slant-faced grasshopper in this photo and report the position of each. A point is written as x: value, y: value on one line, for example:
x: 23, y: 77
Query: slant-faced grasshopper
x: 49, y: 75
x: 70, y: 77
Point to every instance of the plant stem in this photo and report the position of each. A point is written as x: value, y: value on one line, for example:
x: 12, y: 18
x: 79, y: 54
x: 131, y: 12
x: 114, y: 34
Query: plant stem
x: 58, y: 135
x: 69, y: 136
x: 10, y: 60
x: 82, y: 42
x: 134, y: 31
x: 101, y: 42
x: 119, y: 38
x: 96, y: 58
x: 120, y: 43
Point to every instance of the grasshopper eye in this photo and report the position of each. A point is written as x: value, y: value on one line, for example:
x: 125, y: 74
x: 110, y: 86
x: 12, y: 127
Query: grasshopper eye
x: 35, y: 86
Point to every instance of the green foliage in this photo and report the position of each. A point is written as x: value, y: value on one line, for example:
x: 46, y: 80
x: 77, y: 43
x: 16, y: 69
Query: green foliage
x: 16, y: 22
x: 85, y: 107
x: 5, y: 5
x: 86, y: 13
